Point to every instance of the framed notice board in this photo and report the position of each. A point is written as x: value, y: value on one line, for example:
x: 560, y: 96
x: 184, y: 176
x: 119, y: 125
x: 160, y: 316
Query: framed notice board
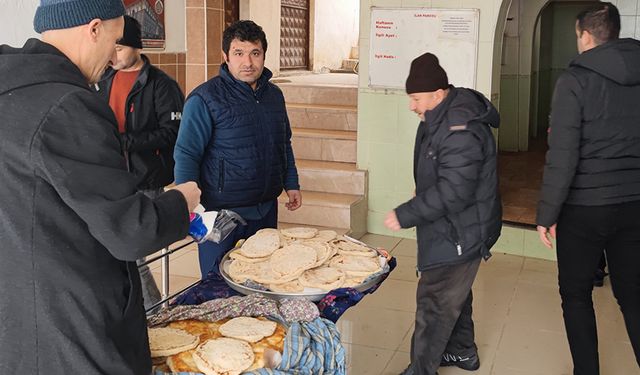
x: 398, y: 35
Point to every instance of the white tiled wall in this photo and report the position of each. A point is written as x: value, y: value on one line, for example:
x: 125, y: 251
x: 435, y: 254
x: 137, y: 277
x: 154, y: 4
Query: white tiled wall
x: 629, y: 18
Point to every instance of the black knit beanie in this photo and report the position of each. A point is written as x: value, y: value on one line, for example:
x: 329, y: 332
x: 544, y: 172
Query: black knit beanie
x: 132, y: 34
x: 426, y: 75
x: 65, y: 14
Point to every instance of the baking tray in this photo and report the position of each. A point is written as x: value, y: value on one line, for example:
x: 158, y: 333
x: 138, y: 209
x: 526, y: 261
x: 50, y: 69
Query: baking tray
x: 314, y: 296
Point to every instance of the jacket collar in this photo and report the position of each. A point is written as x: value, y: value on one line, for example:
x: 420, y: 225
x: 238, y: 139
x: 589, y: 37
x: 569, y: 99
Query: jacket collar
x: 434, y: 117
x: 143, y: 76
x: 263, y: 80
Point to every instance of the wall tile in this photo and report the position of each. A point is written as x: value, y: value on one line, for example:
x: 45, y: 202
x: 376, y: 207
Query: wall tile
x: 168, y: 58
x: 195, y: 3
x: 451, y: 4
x: 215, y: 4
x: 628, y: 26
x: 195, y: 76
x: 182, y: 58
x: 379, y: 122
x: 171, y: 70
x: 154, y: 58
x: 212, y: 70
x: 627, y: 7
x: 214, y: 36
x: 195, y: 36
x: 381, y: 166
x: 182, y: 77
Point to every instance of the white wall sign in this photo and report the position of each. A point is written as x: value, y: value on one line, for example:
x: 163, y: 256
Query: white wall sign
x: 399, y: 35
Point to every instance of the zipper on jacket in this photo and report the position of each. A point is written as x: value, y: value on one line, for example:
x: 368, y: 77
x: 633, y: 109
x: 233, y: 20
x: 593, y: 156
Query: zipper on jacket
x: 221, y: 175
x: 454, y: 234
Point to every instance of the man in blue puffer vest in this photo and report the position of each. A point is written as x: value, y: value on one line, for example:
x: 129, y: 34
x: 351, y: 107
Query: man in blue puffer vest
x: 235, y: 141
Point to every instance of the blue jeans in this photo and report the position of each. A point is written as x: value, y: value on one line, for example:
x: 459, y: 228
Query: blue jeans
x: 210, y: 253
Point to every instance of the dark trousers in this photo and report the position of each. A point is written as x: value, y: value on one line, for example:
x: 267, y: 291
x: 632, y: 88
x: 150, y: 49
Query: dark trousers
x: 210, y: 253
x: 443, y: 316
x: 583, y: 234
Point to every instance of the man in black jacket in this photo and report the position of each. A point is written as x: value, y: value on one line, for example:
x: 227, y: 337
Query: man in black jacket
x: 148, y: 106
x: 456, y: 210
x: 72, y: 221
x: 590, y: 193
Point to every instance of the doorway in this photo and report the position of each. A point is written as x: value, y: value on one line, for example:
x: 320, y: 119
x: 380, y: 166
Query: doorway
x: 527, y: 100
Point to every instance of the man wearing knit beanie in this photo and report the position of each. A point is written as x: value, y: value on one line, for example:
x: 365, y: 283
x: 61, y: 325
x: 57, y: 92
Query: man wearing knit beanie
x: 73, y: 223
x: 148, y: 105
x: 456, y: 210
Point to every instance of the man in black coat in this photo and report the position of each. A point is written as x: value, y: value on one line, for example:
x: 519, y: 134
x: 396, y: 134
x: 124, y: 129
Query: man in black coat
x: 456, y: 209
x: 148, y: 105
x: 72, y: 221
x: 590, y: 195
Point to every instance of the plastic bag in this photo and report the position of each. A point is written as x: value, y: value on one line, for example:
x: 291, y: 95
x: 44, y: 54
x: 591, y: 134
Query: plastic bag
x: 213, y: 226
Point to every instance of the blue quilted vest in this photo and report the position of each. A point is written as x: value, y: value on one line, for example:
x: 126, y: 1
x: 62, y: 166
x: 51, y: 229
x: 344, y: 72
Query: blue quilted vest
x: 245, y: 161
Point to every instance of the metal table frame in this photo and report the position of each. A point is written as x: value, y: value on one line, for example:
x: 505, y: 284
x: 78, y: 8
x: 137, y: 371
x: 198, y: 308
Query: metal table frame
x: 164, y: 258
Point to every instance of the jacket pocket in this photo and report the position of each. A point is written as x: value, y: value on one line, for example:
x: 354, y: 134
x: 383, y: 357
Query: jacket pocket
x: 221, y: 176
x: 454, y: 236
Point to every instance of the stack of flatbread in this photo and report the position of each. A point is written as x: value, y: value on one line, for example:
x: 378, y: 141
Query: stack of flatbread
x: 226, y: 347
x: 290, y: 260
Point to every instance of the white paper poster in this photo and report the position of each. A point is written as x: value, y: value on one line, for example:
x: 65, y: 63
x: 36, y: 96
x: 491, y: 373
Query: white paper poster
x: 400, y: 35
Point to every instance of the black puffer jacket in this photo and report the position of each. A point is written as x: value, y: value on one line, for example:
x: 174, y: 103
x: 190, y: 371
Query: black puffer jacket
x: 154, y: 110
x: 457, y: 208
x: 594, y: 139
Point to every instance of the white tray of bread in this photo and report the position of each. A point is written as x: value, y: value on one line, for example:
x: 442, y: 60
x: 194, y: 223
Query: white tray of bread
x: 301, y: 262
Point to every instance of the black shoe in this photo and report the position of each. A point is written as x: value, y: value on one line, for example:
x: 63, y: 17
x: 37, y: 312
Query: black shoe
x: 598, y: 279
x: 468, y: 362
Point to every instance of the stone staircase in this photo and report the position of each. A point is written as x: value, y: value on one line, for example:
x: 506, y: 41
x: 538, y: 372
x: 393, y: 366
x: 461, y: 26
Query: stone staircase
x: 324, y: 123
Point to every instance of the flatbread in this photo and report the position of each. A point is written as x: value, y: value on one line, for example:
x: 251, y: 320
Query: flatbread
x: 183, y: 362
x: 248, y: 329
x: 223, y: 355
x: 300, y: 232
x: 261, y: 272
x: 288, y: 287
x: 323, y: 251
x: 236, y: 254
x: 262, y: 244
x: 293, y: 259
x: 325, y: 236
x: 166, y: 341
x: 325, y: 278
x: 346, y: 247
x: 356, y: 265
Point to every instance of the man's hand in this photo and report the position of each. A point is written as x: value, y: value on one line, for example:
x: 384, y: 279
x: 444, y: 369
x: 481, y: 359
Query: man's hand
x: 191, y: 193
x: 295, y: 200
x: 544, y: 235
x: 391, y: 221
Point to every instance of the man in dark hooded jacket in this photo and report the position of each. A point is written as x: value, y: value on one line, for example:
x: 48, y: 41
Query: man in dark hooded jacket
x: 72, y: 222
x: 456, y: 210
x: 590, y: 193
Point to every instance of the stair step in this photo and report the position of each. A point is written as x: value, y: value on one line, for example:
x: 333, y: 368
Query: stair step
x: 324, y: 134
x: 349, y: 64
x: 320, y: 94
x: 331, y: 177
x: 326, y: 209
x: 316, y: 116
x: 326, y: 145
x: 340, y: 231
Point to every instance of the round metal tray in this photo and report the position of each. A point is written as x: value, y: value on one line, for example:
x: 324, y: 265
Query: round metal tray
x: 311, y: 296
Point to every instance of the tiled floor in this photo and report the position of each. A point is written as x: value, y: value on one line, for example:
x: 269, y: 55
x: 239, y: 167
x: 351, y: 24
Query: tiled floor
x: 520, y: 181
x: 519, y: 329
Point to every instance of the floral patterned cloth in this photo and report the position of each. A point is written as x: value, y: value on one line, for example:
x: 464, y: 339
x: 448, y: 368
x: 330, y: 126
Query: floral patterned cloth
x: 287, y: 311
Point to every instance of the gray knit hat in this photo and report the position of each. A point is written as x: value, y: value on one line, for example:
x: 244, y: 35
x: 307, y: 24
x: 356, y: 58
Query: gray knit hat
x: 64, y: 14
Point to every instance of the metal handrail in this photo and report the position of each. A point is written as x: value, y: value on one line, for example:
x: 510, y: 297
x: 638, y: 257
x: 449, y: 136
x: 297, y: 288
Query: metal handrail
x: 164, y: 271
